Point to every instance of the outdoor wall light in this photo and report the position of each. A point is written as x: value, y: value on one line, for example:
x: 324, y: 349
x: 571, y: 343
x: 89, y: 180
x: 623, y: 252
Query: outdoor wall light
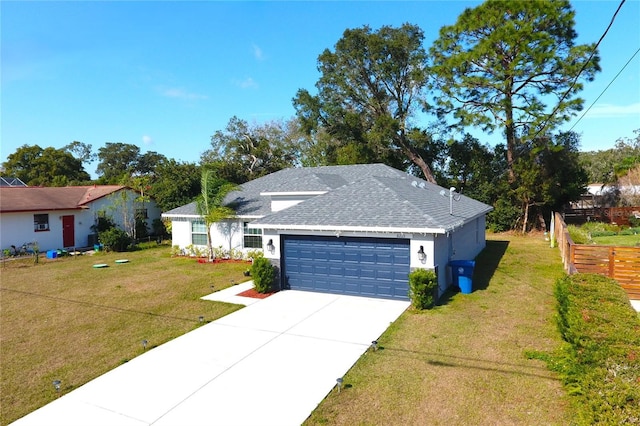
x: 374, y: 345
x: 339, y: 382
x: 421, y: 254
x: 145, y: 342
x: 201, y: 318
x: 56, y: 385
x: 270, y: 246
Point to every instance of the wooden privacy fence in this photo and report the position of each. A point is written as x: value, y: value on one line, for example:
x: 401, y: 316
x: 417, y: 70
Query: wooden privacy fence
x: 618, y: 215
x: 620, y: 263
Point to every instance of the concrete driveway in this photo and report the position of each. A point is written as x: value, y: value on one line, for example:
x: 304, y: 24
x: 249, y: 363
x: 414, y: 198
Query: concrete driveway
x: 270, y: 363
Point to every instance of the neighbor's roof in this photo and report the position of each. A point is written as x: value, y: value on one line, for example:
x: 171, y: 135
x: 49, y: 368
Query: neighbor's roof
x: 29, y: 199
x: 357, y: 197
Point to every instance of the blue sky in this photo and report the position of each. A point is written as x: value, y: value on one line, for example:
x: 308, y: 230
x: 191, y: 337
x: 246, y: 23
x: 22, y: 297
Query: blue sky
x: 166, y: 75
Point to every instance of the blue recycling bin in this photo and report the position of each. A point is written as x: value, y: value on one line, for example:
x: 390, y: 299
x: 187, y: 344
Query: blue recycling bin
x: 462, y: 271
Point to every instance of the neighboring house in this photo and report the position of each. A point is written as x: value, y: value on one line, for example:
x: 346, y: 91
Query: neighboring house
x: 62, y: 217
x: 356, y: 229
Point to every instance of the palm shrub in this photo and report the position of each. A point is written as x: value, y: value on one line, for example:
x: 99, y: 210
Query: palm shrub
x: 263, y: 274
x: 422, y: 285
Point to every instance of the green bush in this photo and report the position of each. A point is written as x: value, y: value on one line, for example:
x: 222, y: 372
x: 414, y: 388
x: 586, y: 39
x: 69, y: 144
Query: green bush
x: 422, y: 286
x: 600, y: 364
x: 115, y: 239
x: 504, y: 216
x: 254, y: 254
x: 103, y: 223
x: 263, y: 274
x: 579, y: 235
x: 634, y: 221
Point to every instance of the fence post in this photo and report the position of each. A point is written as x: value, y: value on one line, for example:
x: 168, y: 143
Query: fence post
x: 612, y: 261
x: 572, y: 256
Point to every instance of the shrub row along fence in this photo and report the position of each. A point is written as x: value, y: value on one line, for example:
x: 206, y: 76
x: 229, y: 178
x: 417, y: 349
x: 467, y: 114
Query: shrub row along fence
x: 617, y: 262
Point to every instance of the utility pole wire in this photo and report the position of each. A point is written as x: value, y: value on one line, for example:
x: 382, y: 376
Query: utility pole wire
x: 605, y: 89
x: 575, y: 80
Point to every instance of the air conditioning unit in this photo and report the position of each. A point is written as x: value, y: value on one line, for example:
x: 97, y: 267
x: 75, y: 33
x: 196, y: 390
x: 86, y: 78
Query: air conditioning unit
x: 43, y: 227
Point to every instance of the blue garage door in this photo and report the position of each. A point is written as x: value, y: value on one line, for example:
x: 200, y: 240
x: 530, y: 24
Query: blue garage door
x: 372, y: 267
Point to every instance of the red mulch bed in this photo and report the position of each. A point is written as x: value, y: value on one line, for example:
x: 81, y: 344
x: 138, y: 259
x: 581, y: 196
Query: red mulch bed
x: 253, y: 293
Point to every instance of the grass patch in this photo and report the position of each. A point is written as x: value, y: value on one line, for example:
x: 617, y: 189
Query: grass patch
x: 600, y: 364
x: 63, y: 319
x: 618, y: 240
x: 465, y: 361
x: 604, y: 234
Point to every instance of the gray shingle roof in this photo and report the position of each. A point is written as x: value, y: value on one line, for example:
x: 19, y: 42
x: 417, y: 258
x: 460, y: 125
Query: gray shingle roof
x: 358, y: 196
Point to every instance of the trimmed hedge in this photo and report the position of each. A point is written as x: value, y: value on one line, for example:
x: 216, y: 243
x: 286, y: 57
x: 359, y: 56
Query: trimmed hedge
x: 263, y: 274
x: 422, y: 285
x: 600, y: 364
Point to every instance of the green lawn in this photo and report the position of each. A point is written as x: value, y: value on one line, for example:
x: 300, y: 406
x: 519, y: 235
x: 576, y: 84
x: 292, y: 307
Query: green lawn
x: 464, y: 362
x: 63, y: 319
x: 461, y: 363
x: 618, y: 240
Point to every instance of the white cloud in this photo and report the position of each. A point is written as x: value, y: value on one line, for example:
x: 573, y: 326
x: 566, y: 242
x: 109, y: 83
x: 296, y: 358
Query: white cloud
x: 247, y: 83
x: 147, y: 140
x: 179, y: 93
x: 257, y: 52
x: 610, y: 110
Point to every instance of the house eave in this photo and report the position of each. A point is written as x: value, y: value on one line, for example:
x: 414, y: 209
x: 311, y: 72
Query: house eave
x: 363, y: 229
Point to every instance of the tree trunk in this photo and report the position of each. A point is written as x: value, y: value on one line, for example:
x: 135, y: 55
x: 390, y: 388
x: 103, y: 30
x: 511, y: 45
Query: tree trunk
x: 209, y: 242
x: 510, y: 134
x: 525, y: 218
x: 416, y: 159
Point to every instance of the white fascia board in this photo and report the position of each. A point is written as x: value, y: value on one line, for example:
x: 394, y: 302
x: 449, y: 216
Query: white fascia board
x: 187, y: 216
x: 376, y: 229
x: 248, y: 216
x: 293, y: 193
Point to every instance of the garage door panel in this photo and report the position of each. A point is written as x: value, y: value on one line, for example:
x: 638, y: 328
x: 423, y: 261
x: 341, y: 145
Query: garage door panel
x: 373, y: 267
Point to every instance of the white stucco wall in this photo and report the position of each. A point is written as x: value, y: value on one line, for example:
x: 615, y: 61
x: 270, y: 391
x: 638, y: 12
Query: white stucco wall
x: 228, y: 234
x: 469, y: 240
x: 180, y: 233
x: 17, y: 229
x: 112, y: 205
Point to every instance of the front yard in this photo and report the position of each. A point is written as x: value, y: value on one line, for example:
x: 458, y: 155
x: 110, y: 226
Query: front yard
x: 65, y: 320
x: 465, y: 362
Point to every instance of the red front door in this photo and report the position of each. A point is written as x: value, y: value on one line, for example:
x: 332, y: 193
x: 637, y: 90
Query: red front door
x: 68, y: 231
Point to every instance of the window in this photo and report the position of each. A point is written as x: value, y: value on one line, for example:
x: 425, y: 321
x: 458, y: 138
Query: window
x: 252, y: 236
x: 142, y: 214
x: 198, y: 233
x: 40, y: 222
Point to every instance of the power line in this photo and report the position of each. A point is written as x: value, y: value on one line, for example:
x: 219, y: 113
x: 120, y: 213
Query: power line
x: 575, y: 80
x: 605, y: 89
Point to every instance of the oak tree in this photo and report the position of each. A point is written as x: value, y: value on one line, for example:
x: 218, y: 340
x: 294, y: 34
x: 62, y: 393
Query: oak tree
x: 369, y: 90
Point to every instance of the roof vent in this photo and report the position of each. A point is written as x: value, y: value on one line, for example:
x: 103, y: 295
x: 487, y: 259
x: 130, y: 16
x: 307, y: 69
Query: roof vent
x: 422, y: 185
x: 414, y: 184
